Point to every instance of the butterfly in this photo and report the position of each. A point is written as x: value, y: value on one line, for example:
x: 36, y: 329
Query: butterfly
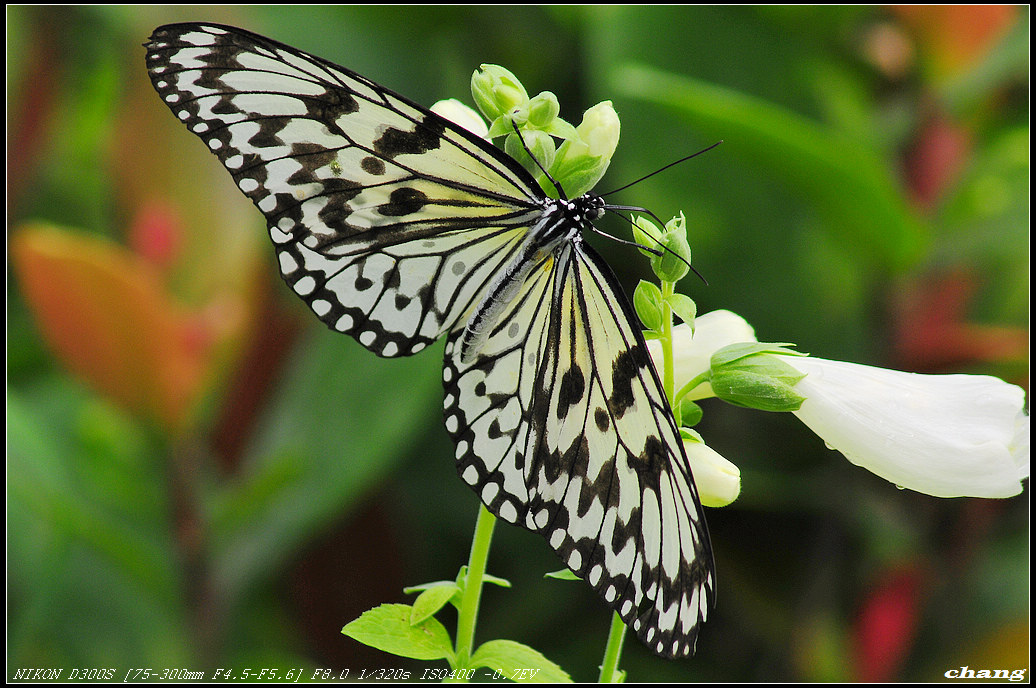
x: 398, y: 227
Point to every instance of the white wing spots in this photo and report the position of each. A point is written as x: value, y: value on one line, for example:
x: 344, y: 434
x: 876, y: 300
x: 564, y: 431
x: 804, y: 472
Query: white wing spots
x: 489, y: 492
x: 288, y: 263
x: 470, y: 476
x: 508, y: 512
x: 305, y: 286
x: 367, y: 338
x: 320, y: 307
x: 280, y: 235
x: 205, y: 37
x: 390, y: 349
x: 267, y: 204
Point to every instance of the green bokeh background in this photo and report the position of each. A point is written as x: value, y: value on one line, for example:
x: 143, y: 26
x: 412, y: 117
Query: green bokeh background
x: 313, y: 481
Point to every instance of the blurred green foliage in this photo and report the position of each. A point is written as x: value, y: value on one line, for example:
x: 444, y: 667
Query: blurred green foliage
x: 870, y: 203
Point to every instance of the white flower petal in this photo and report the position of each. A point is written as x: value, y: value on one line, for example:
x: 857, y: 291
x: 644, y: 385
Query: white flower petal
x: 459, y: 113
x: 944, y: 435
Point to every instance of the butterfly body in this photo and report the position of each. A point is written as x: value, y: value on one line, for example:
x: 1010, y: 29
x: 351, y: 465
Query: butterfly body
x: 559, y: 222
x: 398, y: 227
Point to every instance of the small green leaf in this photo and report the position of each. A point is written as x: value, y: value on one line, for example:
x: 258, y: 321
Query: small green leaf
x: 517, y: 662
x: 496, y: 580
x: 563, y: 574
x: 731, y: 353
x: 388, y: 628
x: 689, y: 434
x: 431, y: 601
x: 647, y: 301
x: 413, y: 589
x: 684, y: 307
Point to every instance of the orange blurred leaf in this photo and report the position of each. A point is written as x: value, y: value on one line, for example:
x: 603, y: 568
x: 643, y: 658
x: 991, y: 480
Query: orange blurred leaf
x: 106, y: 315
x: 954, y: 37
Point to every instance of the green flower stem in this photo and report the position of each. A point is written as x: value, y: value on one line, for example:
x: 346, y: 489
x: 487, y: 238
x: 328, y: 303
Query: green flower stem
x: 668, y: 374
x: 689, y: 387
x: 468, y: 611
x: 612, y: 651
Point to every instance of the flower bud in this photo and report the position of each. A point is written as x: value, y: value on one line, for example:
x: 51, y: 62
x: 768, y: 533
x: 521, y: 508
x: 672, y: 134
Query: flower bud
x: 674, y: 263
x: 497, y: 91
x: 543, y: 110
x: 583, y: 160
x: 718, y: 481
x: 647, y: 235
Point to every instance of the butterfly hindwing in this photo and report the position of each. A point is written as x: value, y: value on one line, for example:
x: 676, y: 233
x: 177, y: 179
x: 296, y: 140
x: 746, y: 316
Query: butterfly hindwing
x: 561, y: 426
x: 359, y: 186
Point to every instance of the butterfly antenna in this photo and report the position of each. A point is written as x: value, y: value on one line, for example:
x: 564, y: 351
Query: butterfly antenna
x: 661, y: 169
x: 557, y: 186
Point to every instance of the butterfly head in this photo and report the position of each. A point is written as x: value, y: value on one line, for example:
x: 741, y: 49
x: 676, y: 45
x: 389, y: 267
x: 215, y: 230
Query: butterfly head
x: 586, y: 208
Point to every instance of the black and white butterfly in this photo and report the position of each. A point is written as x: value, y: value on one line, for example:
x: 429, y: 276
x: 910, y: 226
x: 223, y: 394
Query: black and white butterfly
x: 398, y: 227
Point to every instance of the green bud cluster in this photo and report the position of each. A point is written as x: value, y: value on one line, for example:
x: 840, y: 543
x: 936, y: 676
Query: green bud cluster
x: 534, y: 123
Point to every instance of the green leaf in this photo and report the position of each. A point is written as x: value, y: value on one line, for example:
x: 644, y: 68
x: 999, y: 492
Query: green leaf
x: 733, y: 352
x: 847, y: 179
x: 518, y: 663
x: 388, y: 628
x: 412, y: 589
x: 563, y: 574
x: 431, y: 601
x: 496, y: 580
x: 311, y: 462
x: 684, y: 307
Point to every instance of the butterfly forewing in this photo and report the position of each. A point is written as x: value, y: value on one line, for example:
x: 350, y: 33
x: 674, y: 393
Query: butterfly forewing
x: 358, y: 185
x: 394, y: 225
